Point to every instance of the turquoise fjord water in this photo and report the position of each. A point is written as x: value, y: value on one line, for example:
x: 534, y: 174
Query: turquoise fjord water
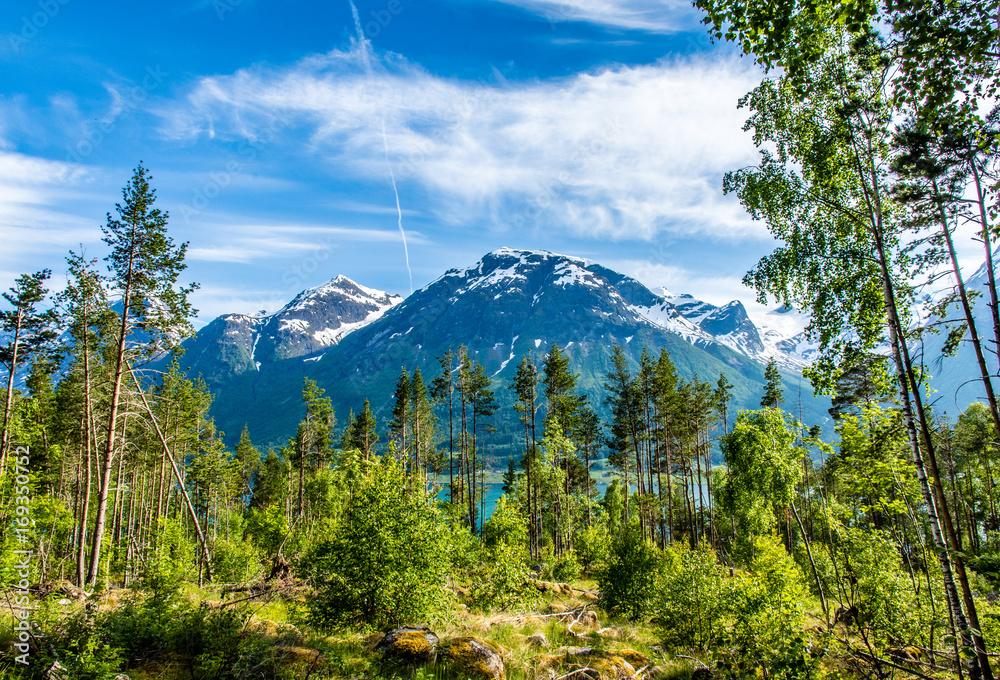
x: 494, y: 491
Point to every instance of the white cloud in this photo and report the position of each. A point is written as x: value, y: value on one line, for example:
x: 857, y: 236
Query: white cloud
x: 32, y: 221
x: 214, y: 301
x: 663, y: 16
x: 619, y: 153
x: 249, y: 242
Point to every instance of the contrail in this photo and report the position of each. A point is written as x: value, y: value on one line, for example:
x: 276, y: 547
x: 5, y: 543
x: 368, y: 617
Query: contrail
x: 366, y: 58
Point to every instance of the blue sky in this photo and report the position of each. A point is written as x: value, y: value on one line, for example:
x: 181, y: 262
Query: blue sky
x: 598, y: 128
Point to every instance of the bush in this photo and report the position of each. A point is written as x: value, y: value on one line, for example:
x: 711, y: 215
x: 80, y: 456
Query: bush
x: 695, y: 598
x: 506, y: 525
x: 236, y: 561
x: 387, y: 560
x: 592, y: 546
x: 628, y: 581
x: 506, y: 582
x: 565, y: 568
x: 768, y: 627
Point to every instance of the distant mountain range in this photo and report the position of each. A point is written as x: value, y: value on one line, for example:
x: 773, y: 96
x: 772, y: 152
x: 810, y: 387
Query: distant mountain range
x: 955, y: 380
x: 355, y: 340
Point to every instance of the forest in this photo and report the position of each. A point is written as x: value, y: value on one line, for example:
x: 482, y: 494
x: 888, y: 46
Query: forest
x: 136, y: 544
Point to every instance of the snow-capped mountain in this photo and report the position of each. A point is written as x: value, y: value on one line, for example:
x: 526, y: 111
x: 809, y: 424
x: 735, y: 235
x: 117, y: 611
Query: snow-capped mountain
x: 509, y: 304
x: 317, y: 318
x: 780, y: 336
x: 956, y: 379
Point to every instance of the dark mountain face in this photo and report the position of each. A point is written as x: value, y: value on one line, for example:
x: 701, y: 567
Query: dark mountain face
x: 511, y: 303
x: 314, y: 320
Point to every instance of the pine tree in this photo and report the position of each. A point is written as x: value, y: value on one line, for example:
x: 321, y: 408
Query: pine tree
x: 422, y: 424
x: 365, y: 434
x: 525, y: 386
x: 145, y: 265
x: 484, y: 404
x: 247, y: 461
x: 32, y: 332
x: 722, y: 395
x: 399, y: 426
x: 314, y: 439
x: 443, y: 392
x: 773, y: 396
x: 623, y: 397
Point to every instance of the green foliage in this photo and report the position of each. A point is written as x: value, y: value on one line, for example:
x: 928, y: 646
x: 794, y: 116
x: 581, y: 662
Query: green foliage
x: 236, y: 561
x: 768, y: 616
x: 592, y: 547
x: 565, y: 567
x: 628, y: 580
x: 764, y: 466
x: 507, y: 525
x: 695, y: 598
x: 505, y: 582
x: 267, y: 528
x: 386, y: 561
x: 220, y: 645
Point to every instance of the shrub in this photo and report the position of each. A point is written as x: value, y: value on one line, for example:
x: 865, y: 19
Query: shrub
x: 628, y: 580
x: 387, y: 559
x: 506, y: 525
x: 506, y: 581
x: 768, y: 622
x: 592, y: 546
x: 236, y: 561
x: 695, y: 598
x: 565, y: 568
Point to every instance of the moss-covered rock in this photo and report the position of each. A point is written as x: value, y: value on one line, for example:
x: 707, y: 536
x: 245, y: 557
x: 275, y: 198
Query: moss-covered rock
x: 637, y: 659
x: 292, y: 656
x: 597, y: 664
x: 409, y: 644
x: 538, y: 641
x: 474, y: 658
x: 284, y: 633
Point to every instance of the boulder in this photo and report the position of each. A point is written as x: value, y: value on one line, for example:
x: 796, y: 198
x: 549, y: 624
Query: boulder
x: 409, y: 644
x: 702, y: 673
x: 474, y: 658
x: 284, y: 633
x: 637, y: 659
x: 292, y: 655
x: 538, y: 640
x: 599, y: 664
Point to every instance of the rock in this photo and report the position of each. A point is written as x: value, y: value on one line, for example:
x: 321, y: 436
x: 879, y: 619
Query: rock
x: 602, y: 665
x: 69, y: 590
x: 409, y: 644
x: 474, y: 658
x: 56, y: 672
x: 702, y: 673
x: 538, y: 640
x: 284, y: 633
x: 543, y: 661
x: 295, y: 655
x: 637, y: 659
x: 588, y: 596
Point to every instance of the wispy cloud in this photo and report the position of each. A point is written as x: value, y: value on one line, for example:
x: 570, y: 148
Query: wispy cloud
x: 628, y: 152
x: 33, y: 219
x: 656, y: 16
x: 245, y: 243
